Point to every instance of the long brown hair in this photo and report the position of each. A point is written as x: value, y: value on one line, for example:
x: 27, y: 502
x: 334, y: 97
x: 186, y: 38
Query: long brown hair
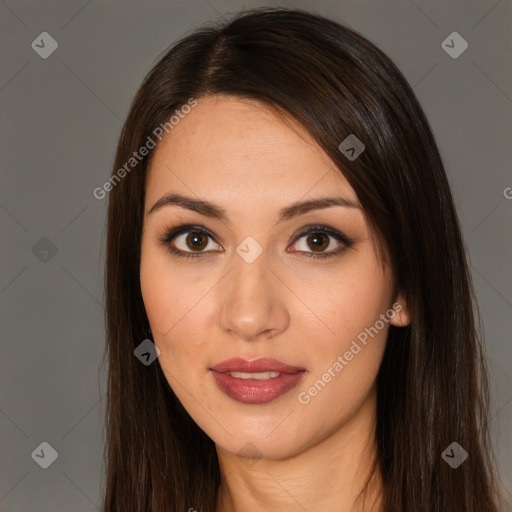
x: 432, y: 384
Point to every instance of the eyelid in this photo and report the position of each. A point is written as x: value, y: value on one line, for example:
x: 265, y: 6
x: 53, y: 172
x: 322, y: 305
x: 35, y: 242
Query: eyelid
x: 312, y: 228
x: 171, y: 233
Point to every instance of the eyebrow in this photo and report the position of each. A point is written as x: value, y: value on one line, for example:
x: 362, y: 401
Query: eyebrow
x: 214, y: 211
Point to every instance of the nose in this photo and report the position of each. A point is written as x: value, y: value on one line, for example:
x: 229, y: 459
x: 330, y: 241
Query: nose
x: 253, y: 301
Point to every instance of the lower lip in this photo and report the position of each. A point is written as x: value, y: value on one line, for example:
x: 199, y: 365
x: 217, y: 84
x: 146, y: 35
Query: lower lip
x: 253, y: 391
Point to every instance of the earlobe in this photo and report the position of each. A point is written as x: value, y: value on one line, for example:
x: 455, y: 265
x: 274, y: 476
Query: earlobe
x: 400, y: 316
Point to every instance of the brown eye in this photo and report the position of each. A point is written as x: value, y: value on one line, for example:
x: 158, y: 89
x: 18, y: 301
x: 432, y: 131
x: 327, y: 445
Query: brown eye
x: 196, y: 240
x: 321, y: 242
x: 189, y: 241
x: 317, y: 241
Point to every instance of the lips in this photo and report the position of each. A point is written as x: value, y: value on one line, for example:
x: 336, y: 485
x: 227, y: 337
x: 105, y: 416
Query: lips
x: 263, y: 364
x: 258, y: 381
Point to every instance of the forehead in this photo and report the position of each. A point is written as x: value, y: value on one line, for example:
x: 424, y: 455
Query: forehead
x: 231, y: 149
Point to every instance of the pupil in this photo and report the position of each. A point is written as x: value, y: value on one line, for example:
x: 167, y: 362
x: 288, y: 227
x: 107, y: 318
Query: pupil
x: 320, y: 241
x: 195, y: 239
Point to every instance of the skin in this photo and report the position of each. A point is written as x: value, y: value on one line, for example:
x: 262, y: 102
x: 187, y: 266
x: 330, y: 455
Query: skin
x: 282, y: 455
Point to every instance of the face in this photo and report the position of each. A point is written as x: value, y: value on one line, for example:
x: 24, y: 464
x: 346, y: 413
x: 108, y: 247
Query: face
x: 297, y: 296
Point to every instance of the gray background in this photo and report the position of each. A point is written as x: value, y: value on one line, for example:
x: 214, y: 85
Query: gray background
x: 61, y: 118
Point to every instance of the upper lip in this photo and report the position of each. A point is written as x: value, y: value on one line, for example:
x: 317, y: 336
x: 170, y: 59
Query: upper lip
x: 263, y: 364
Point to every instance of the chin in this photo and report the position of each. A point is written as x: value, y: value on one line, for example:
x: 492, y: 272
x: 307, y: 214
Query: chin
x: 258, y: 449
x: 279, y: 445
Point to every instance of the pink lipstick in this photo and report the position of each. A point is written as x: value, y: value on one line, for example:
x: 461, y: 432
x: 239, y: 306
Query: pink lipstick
x: 256, y: 382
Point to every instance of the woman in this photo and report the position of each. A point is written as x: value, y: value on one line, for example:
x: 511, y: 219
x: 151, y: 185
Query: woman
x: 281, y: 228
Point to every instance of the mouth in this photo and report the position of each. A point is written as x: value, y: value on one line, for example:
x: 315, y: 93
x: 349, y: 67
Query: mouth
x: 258, y: 381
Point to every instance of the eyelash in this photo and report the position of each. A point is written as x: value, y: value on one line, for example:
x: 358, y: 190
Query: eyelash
x: 170, y: 234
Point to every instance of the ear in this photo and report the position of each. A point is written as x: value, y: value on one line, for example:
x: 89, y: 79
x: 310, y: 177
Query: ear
x: 400, y: 316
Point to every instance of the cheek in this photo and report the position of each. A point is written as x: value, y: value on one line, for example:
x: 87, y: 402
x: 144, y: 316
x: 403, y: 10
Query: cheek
x: 340, y: 383
x: 176, y: 311
x: 164, y: 294
x: 350, y: 301
x: 347, y: 359
x: 158, y: 292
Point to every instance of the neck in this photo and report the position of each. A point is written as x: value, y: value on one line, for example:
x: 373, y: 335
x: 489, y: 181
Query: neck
x: 327, y: 476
